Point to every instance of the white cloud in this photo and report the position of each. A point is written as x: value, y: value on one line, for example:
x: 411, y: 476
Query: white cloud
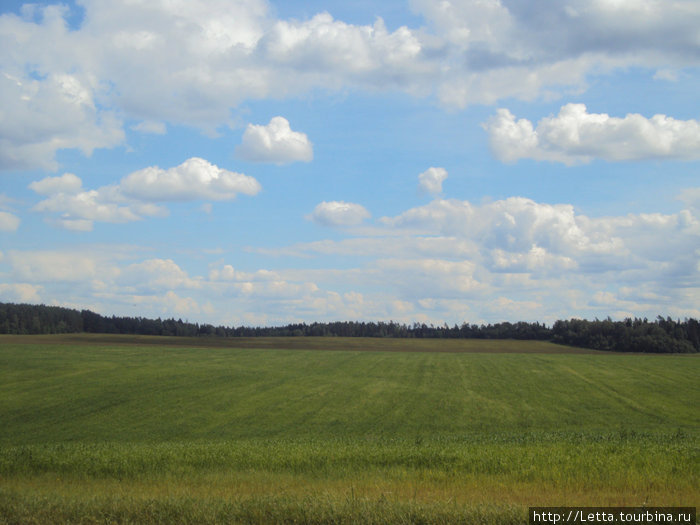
x: 20, y: 293
x: 431, y: 277
x: 448, y: 260
x: 273, y: 290
x: 430, y: 181
x: 151, y: 127
x: 194, y: 179
x: 576, y: 136
x: 385, y: 243
x: 156, y: 274
x: 515, y: 225
x: 157, y: 64
x: 104, y: 279
x: 536, y: 260
x: 228, y: 273
x: 491, y: 50
x: 169, y: 304
x: 43, y: 116
x: 510, y: 139
x: 332, y: 53
x: 173, y: 303
x: 275, y: 142
x: 8, y: 222
x: 78, y: 211
x: 76, y: 225
x: 528, y: 254
x: 691, y: 198
x: 184, y: 62
x: 46, y: 266
x: 6, y: 202
x: 136, y: 194
x: 506, y: 308
x: 66, y: 183
x: 668, y: 75
x: 339, y: 213
x: 110, y: 281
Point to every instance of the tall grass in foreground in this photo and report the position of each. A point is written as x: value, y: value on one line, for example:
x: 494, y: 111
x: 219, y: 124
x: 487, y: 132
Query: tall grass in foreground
x: 478, y: 479
x: 262, y: 510
x: 594, y: 460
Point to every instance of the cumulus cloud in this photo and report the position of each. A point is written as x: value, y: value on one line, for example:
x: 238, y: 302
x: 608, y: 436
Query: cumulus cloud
x: 105, y: 279
x: 120, y: 282
x: 20, y: 292
x: 43, y: 116
x: 691, y: 198
x: 172, y: 303
x: 576, y: 136
x: 186, y: 63
x: 194, y: 179
x: 136, y: 195
x: 66, y: 183
x: 537, y: 259
x: 668, y: 75
x: 275, y: 142
x: 391, y: 245
x: 151, y: 127
x: 518, y: 234
x: 448, y: 260
x: 339, y: 213
x: 518, y: 249
x: 332, y: 52
x: 515, y: 225
x: 46, y: 266
x: 8, y: 222
x: 506, y: 48
x: 430, y: 181
x: 156, y: 274
x: 229, y: 273
x: 431, y: 277
x: 78, y: 211
x: 154, y: 64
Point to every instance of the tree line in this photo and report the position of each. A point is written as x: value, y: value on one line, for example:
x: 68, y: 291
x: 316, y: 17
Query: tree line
x: 630, y: 335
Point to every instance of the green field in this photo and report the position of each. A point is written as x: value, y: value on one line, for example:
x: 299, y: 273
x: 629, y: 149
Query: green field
x: 118, y: 429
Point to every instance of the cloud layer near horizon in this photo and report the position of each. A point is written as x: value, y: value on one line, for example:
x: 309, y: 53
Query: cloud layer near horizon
x: 447, y: 260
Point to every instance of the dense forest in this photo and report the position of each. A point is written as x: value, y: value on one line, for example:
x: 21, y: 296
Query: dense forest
x: 630, y: 335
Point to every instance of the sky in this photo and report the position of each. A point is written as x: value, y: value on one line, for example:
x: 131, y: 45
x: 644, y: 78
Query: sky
x: 264, y: 162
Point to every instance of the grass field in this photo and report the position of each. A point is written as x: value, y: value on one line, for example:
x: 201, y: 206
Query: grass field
x: 116, y: 429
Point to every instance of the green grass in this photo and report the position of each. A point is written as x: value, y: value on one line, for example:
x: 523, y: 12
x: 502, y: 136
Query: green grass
x: 117, y: 429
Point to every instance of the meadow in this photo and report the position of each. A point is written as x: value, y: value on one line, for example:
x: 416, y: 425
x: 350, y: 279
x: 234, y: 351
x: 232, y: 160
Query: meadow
x: 128, y: 429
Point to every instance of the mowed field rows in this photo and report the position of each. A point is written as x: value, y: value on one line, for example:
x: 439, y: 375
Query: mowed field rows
x: 104, y: 428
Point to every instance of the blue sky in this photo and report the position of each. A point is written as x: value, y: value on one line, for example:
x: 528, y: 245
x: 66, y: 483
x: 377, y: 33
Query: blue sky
x: 260, y: 162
